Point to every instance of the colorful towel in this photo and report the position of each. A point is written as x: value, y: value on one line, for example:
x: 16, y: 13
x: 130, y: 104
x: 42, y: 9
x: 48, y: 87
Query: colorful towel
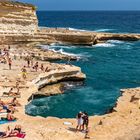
x: 5, y: 121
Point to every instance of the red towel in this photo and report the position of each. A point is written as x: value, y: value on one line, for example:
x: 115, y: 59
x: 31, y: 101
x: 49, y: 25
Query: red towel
x: 21, y: 135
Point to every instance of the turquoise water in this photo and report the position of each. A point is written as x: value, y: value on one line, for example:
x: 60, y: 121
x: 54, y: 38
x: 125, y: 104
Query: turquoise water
x: 109, y: 67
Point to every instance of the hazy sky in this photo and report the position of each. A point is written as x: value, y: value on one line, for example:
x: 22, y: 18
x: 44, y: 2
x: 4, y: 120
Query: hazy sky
x: 86, y: 4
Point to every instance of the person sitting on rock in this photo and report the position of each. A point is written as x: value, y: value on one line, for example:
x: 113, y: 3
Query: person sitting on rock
x: 11, y: 93
x: 14, y: 102
x: 10, y: 117
x: 17, y: 132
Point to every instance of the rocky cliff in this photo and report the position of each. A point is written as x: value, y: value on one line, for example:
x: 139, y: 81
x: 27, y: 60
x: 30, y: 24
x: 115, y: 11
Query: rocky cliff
x: 19, y: 24
x: 17, y: 18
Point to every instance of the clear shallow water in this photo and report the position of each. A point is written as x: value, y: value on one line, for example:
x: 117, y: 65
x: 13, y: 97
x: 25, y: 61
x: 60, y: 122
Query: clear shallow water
x: 109, y: 67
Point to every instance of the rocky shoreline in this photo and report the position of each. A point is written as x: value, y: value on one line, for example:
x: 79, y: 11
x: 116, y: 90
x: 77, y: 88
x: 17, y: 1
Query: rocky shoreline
x: 19, y: 23
x: 23, y: 34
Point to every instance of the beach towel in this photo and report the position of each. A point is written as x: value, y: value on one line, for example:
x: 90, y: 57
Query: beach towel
x: 5, y: 121
x: 21, y: 135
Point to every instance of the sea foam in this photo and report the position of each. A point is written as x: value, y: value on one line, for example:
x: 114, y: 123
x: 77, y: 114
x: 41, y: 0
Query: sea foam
x: 104, y: 45
x: 103, y: 30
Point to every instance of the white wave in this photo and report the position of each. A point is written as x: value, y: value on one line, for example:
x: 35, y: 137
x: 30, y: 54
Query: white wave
x: 65, y: 53
x: 56, y: 46
x: 115, y: 41
x: 60, y: 49
x: 52, y: 44
x: 74, y: 29
x: 103, y: 30
x: 104, y: 45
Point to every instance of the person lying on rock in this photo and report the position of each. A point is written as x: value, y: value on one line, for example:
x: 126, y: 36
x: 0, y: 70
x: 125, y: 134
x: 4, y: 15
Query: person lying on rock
x: 6, y: 133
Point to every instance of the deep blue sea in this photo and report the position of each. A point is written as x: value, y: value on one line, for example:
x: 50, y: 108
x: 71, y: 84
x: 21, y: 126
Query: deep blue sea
x: 109, y: 66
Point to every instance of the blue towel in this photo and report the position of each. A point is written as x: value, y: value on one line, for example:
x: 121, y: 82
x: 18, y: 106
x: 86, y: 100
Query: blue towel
x: 5, y: 121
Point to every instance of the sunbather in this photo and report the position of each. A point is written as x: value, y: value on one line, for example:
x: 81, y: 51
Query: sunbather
x: 17, y: 130
x: 6, y: 133
x: 10, y: 117
x: 14, y: 102
x: 10, y: 93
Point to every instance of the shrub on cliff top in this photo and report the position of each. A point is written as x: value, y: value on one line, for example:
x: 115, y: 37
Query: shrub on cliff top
x: 5, y: 2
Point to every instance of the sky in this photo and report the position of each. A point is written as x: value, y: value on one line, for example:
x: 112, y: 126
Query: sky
x: 85, y: 4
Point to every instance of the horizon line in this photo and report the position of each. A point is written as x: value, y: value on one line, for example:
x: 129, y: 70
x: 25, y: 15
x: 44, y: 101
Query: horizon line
x: 88, y: 10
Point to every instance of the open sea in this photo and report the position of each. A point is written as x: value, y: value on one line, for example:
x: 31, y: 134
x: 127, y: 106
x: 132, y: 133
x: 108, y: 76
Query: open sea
x: 109, y: 66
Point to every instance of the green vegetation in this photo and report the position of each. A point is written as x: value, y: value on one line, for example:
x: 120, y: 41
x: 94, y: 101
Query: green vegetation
x: 5, y: 2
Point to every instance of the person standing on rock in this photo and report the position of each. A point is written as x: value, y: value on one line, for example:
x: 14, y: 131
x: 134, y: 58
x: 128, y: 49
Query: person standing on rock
x: 9, y: 63
x: 28, y: 60
x: 42, y: 67
x: 85, y: 120
x: 79, y: 121
x: 24, y: 72
x: 36, y: 66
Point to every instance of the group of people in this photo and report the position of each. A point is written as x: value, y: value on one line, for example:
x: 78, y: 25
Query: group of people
x: 13, y: 93
x: 34, y: 66
x: 82, y: 121
x: 16, y: 132
x: 9, y: 108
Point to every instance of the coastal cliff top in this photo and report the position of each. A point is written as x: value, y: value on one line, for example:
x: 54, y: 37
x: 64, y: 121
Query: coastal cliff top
x: 10, y: 3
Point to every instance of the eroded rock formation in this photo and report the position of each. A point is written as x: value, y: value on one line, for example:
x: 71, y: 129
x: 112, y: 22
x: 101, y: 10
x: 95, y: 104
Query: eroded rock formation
x: 19, y: 23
